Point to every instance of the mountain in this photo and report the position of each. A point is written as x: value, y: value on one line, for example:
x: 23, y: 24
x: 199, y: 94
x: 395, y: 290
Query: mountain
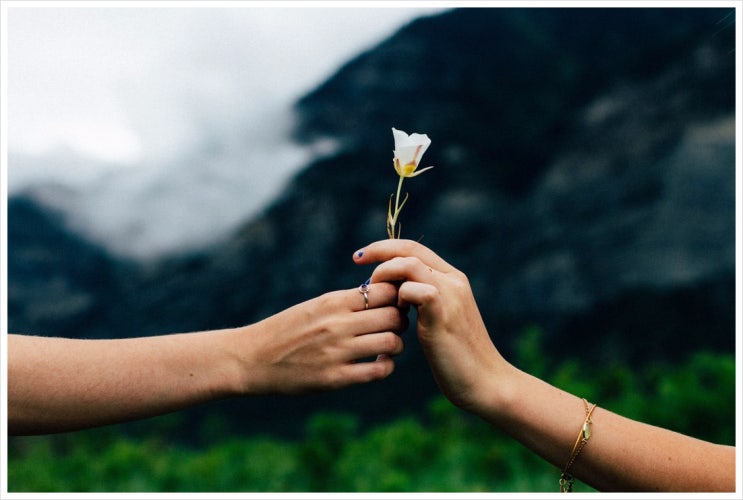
x: 584, y: 180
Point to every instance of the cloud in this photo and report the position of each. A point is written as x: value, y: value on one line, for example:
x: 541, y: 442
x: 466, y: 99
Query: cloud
x: 128, y: 84
x: 155, y: 116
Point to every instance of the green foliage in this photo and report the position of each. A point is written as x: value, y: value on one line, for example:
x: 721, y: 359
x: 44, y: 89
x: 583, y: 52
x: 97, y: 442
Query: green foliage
x: 327, y: 435
x: 705, y: 386
x: 442, y: 450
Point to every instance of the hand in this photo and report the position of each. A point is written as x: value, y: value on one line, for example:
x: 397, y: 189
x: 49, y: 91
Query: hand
x: 623, y: 455
x: 451, y: 331
x: 310, y: 347
x: 316, y: 345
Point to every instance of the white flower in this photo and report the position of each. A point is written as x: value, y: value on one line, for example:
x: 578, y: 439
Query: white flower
x: 408, y: 152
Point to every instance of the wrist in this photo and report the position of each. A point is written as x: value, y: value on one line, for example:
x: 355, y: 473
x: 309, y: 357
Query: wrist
x: 241, y: 373
x: 497, y: 393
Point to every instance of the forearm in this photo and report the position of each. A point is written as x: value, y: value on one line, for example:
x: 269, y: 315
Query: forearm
x: 621, y: 454
x: 57, y: 384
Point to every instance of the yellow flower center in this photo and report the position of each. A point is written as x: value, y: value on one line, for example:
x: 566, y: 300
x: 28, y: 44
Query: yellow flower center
x: 408, y: 169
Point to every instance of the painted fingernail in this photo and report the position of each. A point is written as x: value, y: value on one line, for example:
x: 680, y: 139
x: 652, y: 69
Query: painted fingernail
x: 359, y: 254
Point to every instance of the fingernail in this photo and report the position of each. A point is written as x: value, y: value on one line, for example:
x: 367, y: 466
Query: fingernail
x: 359, y: 254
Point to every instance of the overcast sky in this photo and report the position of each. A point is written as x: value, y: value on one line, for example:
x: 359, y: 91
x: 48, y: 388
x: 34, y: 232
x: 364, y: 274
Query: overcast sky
x: 160, y: 129
x: 126, y: 85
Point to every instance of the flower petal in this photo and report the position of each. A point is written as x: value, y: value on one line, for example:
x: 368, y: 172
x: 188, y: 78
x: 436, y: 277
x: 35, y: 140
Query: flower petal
x: 408, y: 154
x: 419, y: 172
x: 402, y: 139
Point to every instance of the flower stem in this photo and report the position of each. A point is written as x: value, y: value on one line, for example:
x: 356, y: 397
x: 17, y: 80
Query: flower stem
x: 397, y: 196
x: 392, y: 217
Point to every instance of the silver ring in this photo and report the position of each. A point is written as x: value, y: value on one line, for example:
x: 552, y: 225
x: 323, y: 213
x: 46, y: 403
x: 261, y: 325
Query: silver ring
x: 364, y: 289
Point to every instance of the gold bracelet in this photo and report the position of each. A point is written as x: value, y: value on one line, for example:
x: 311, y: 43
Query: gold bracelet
x: 566, y: 479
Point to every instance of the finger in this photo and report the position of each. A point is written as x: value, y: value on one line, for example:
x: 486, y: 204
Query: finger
x: 418, y: 294
x: 361, y: 373
x: 380, y: 319
x: 403, y: 269
x: 377, y: 295
x: 384, y: 250
x: 373, y: 344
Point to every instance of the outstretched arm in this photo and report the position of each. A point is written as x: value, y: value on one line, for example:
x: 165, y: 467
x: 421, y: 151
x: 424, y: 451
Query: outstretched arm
x: 58, y: 384
x: 621, y: 454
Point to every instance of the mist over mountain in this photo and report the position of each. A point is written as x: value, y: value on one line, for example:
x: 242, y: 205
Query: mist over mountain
x: 584, y: 180
x: 158, y: 131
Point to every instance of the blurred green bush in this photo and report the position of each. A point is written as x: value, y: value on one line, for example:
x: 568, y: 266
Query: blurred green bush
x: 445, y: 450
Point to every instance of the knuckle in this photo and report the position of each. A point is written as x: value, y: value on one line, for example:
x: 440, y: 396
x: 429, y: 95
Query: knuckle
x: 388, y: 342
x: 460, y: 276
x: 460, y: 280
x: 398, y: 319
x: 405, y: 262
x: 412, y: 261
x: 408, y: 246
x: 429, y: 294
x: 379, y: 369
